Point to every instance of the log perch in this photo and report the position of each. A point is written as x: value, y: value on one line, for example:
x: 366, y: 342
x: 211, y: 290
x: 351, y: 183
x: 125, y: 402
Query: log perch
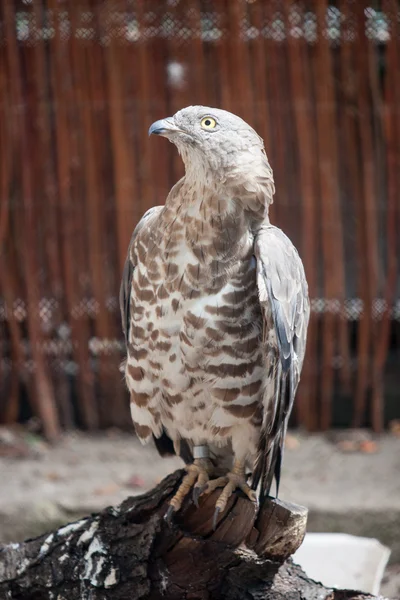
x: 131, y: 552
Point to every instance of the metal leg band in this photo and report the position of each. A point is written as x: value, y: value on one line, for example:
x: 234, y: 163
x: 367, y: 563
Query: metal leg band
x: 201, y: 452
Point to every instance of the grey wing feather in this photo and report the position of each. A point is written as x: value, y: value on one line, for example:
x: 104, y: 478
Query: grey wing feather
x: 283, y: 294
x: 127, y: 273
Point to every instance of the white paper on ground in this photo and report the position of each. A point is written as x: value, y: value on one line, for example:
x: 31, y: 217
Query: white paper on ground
x: 343, y: 561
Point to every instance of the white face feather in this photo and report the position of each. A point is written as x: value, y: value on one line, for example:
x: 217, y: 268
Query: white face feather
x: 231, y: 143
x: 223, y: 153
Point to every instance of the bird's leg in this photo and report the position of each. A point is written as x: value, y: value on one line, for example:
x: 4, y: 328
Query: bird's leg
x: 197, y: 476
x: 235, y: 479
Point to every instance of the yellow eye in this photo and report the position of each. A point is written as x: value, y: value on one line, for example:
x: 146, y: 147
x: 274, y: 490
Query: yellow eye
x: 208, y: 123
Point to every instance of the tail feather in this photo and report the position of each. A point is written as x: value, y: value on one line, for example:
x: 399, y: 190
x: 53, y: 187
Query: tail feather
x: 165, y: 447
x: 270, y: 457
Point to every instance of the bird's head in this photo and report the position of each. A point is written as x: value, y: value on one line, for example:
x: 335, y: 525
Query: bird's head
x: 218, y: 147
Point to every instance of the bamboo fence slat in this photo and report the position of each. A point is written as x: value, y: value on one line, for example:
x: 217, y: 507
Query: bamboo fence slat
x: 44, y: 393
x: 71, y: 244
x: 305, y: 144
x: 391, y: 133
x: 366, y: 221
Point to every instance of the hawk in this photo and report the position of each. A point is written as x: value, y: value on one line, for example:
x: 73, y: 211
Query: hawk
x: 215, y: 309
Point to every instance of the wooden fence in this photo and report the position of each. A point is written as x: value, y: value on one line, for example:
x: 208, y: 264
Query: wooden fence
x: 80, y: 83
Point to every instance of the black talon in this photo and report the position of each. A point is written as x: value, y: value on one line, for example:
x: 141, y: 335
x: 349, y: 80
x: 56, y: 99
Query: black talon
x: 197, y: 492
x: 215, y: 518
x: 196, y: 495
x: 169, y: 514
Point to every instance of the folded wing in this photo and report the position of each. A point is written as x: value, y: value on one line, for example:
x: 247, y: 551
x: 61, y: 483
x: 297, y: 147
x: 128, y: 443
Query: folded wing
x: 283, y: 295
x: 127, y: 273
x: 163, y: 443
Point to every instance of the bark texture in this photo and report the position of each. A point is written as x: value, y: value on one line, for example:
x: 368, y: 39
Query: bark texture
x: 131, y: 552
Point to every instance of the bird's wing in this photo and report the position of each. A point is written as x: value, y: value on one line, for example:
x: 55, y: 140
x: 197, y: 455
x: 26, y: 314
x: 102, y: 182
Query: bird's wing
x: 127, y: 273
x: 283, y: 294
x: 163, y: 443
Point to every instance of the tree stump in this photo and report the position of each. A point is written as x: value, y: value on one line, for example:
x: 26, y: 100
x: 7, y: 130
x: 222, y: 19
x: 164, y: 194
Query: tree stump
x: 131, y: 552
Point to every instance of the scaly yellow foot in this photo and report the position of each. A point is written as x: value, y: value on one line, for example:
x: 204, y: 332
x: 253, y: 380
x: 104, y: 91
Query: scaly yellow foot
x: 235, y: 479
x: 197, y: 477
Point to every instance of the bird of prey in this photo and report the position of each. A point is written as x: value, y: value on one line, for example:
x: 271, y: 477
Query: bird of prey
x: 215, y: 310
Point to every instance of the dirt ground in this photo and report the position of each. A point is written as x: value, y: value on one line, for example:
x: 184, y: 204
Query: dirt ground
x: 350, y: 482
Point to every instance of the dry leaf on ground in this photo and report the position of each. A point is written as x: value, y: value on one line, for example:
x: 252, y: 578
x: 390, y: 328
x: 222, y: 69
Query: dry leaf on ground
x: 107, y: 490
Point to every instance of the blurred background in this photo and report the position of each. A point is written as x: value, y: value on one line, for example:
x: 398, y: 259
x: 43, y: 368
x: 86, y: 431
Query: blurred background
x: 80, y: 83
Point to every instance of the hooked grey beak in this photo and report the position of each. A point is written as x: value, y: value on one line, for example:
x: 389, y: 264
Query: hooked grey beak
x: 164, y: 127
